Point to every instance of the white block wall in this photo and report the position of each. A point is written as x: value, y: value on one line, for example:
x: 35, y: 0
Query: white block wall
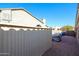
x: 24, y: 43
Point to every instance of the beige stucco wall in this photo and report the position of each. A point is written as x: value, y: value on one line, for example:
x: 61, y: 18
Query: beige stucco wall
x: 77, y: 26
x: 21, y: 17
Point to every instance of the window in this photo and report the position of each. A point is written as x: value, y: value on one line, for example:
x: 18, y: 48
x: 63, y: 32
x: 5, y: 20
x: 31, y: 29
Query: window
x: 53, y: 28
x: 0, y: 10
x: 38, y: 26
x: 5, y: 15
x: 58, y: 29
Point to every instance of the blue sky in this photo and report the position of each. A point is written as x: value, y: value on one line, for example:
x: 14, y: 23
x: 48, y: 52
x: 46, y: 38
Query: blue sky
x: 56, y: 14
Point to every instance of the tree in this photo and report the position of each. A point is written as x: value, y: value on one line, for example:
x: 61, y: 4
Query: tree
x: 67, y: 28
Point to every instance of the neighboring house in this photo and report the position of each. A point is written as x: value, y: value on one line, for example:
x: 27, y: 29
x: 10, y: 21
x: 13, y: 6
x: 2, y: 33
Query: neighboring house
x: 20, y: 17
x: 56, y: 30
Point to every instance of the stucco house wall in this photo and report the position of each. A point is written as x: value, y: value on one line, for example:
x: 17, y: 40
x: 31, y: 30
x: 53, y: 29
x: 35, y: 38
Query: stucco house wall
x: 21, y: 17
x: 77, y: 24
